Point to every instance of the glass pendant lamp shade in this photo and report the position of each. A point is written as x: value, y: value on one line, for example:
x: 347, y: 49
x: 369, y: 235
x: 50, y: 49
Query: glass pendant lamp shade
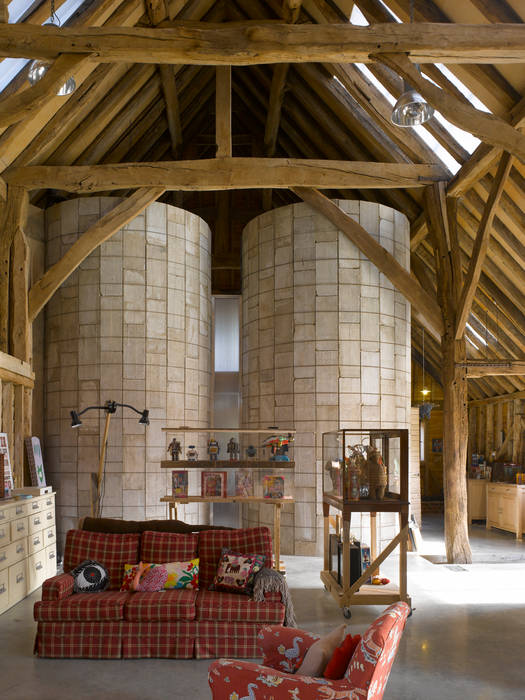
x: 411, y: 109
x: 68, y: 87
x: 37, y: 70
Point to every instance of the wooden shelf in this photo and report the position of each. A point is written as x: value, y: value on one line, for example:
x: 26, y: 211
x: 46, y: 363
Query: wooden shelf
x: 227, y: 499
x: 366, y: 505
x: 259, y: 431
x: 225, y: 464
x: 368, y: 594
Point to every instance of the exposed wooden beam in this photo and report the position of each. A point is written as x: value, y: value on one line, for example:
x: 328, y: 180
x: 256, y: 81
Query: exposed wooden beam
x: 14, y: 370
x: 487, y: 127
x: 493, y: 368
x: 4, y: 12
x: 20, y: 328
x: 381, y: 258
x: 223, y: 110
x: 227, y: 173
x: 13, y: 217
x: 19, y: 105
x: 107, y: 226
x: 273, y: 118
x: 169, y: 89
x: 291, y: 10
x: 481, y: 244
x: 498, y: 399
x: 252, y: 42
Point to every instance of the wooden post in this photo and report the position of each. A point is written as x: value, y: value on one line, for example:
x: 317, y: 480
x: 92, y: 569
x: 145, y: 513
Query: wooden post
x: 223, y: 111
x: 96, y: 506
x: 277, y: 535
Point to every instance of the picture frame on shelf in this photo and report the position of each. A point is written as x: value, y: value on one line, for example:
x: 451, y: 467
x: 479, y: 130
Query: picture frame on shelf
x: 8, y: 484
x: 243, y: 483
x: 35, y: 461
x: 213, y: 484
x: 273, y: 486
x: 179, y: 483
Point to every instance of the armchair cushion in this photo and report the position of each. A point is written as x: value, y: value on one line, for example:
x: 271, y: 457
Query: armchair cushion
x: 82, y: 607
x: 58, y: 587
x: 113, y: 551
x: 320, y: 653
x: 230, y: 678
x: 284, y: 648
x: 218, y: 606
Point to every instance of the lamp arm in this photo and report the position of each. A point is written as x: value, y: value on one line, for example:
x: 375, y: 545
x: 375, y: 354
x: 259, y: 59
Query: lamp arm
x: 89, y: 408
x: 127, y: 405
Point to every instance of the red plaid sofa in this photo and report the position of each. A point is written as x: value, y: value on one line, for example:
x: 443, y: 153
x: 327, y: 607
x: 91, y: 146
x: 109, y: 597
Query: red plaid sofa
x: 170, y: 624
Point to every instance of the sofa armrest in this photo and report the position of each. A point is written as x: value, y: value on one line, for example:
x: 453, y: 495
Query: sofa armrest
x: 284, y: 648
x: 58, y: 587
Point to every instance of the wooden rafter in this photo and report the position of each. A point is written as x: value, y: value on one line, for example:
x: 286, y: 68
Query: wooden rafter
x: 254, y: 42
x: 381, y: 258
x: 227, y: 173
x: 481, y: 244
x: 495, y: 367
x: 498, y: 399
x: 107, y: 226
x: 223, y: 110
x: 485, y: 126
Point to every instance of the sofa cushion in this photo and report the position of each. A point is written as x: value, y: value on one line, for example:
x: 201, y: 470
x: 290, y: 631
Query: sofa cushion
x: 113, y: 551
x: 163, y: 547
x: 163, y: 606
x: 254, y: 540
x: 214, y: 605
x: 82, y: 607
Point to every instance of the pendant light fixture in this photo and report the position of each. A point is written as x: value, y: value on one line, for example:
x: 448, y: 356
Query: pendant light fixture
x: 38, y: 68
x: 411, y: 109
x: 424, y: 390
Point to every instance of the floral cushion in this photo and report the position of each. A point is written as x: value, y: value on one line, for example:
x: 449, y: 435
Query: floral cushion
x: 181, y: 574
x: 236, y: 572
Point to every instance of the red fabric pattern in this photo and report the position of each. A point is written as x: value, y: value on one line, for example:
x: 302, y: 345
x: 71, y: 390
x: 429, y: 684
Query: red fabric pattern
x: 164, y: 547
x: 58, y: 587
x: 79, y: 640
x: 372, y: 660
x: 215, y: 605
x: 255, y: 540
x: 82, y: 607
x: 284, y: 648
x: 336, y: 667
x: 158, y: 640
x: 113, y: 551
x: 213, y: 639
x: 365, y: 679
x: 166, y: 606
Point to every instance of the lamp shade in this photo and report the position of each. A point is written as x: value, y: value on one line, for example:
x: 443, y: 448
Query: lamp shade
x: 75, y: 420
x: 411, y: 109
x: 144, y: 418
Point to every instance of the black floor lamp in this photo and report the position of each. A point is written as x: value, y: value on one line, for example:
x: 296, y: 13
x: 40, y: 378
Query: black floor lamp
x: 109, y: 407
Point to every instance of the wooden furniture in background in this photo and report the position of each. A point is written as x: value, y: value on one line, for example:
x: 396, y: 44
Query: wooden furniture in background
x: 27, y: 546
x: 477, y: 499
x: 506, y: 507
x: 360, y: 593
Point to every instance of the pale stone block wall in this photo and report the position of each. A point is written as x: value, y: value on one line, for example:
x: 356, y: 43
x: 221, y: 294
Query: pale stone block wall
x: 326, y: 345
x: 131, y: 324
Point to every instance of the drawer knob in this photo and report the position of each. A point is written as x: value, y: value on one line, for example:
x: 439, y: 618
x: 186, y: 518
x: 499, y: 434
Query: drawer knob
x: 36, y: 521
x: 2, y: 588
x: 34, y: 506
x: 49, y: 502
x: 19, y: 578
x: 51, y: 535
x: 52, y: 555
x: 39, y: 566
x: 3, y: 557
x: 20, y: 527
x: 36, y: 541
x: 20, y: 549
x: 2, y: 535
x: 2, y: 515
x: 19, y: 510
x: 50, y: 516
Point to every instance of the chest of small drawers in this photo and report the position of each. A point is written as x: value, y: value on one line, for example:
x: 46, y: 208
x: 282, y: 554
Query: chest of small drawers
x: 27, y: 546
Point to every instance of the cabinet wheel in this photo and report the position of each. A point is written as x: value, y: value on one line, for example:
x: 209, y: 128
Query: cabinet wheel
x: 347, y: 613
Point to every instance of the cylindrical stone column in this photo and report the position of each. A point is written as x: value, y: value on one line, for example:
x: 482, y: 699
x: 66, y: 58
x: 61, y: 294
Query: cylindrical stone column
x: 326, y: 345
x: 131, y: 324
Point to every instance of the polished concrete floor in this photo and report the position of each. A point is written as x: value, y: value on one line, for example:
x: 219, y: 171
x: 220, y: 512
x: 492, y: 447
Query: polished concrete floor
x: 464, y: 640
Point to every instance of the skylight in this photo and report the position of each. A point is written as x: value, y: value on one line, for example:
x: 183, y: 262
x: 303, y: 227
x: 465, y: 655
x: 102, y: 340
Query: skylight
x: 357, y: 17
x: 476, y: 335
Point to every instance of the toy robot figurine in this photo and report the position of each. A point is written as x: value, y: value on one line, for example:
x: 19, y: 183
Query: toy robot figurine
x: 251, y: 451
x: 213, y: 449
x: 233, y: 449
x: 175, y: 449
x: 191, y: 454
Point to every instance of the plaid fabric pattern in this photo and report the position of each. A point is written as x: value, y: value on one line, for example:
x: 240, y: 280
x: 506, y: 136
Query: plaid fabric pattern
x: 113, y: 551
x: 215, y: 605
x: 82, y: 607
x: 158, y: 640
x: 284, y: 648
x: 164, y: 547
x: 161, y: 606
x: 79, y: 640
x: 255, y: 540
x: 58, y: 587
x: 214, y: 639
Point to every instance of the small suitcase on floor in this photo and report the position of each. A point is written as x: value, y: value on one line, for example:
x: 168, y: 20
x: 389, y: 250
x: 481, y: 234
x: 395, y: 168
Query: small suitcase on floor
x: 336, y: 559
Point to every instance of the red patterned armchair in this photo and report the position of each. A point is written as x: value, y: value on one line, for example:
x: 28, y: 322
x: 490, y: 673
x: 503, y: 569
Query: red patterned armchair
x: 283, y: 650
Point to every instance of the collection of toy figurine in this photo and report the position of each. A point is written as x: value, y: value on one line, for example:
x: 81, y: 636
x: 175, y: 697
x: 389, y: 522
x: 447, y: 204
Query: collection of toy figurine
x: 277, y: 444
x: 366, y: 474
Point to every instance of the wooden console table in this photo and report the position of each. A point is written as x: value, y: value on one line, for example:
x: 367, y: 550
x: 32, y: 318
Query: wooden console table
x: 173, y: 503
x: 506, y: 507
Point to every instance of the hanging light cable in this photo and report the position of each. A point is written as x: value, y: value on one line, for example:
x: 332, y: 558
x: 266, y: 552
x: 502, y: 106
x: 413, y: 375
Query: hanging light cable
x: 38, y: 68
x: 411, y: 109
x: 424, y: 390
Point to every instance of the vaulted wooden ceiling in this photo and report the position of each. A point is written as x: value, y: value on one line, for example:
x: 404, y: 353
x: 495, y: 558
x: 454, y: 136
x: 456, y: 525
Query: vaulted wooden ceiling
x: 142, y: 112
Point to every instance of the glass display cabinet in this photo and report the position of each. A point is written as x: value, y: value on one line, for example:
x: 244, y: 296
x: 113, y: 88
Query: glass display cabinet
x: 365, y: 470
